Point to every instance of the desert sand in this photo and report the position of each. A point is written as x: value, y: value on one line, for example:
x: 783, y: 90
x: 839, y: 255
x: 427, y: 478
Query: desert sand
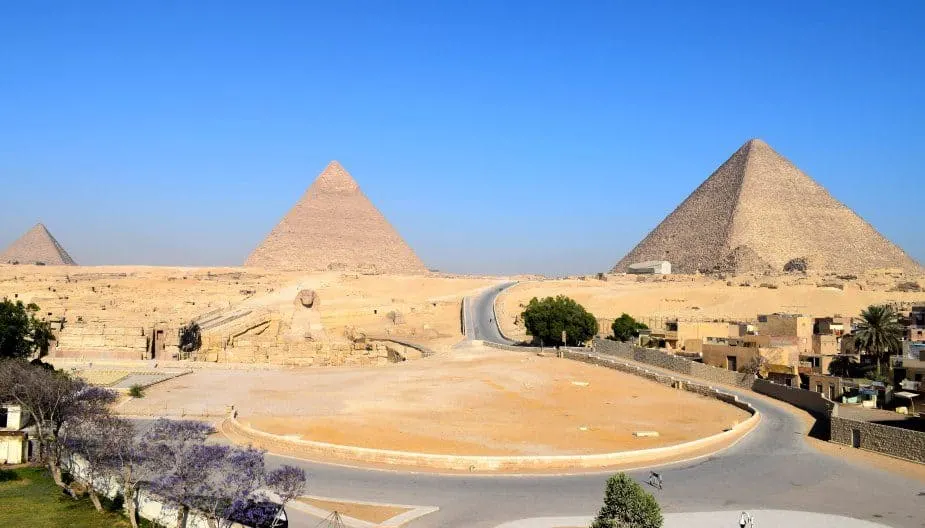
x: 474, y: 400
x: 654, y: 299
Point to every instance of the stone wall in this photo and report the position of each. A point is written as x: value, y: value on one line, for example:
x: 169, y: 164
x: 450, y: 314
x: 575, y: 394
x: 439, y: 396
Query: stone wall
x: 703, y: 390
x: 892, y: 441
x: 102, y: 341
x: 678, y: 364
x: 807, y: 400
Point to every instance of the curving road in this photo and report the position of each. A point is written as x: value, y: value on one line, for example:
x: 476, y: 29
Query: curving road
x: 772, y: 468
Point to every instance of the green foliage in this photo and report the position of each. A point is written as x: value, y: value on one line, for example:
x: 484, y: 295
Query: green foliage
x: 546, y: 319
x: 625, y: 328
x: 21, y: 333
x: 7, y: 475
x: 190, y: 337
x: 33, y: 499
x: 879, y: 333
x: 845, y: 366
x: 627, y: 505
x: 136, y: 391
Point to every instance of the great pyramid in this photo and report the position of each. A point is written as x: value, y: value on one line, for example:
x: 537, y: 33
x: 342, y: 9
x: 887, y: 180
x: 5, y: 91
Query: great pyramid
x: 758, y: 212
x: 37, y: 246
x: 335, y: 227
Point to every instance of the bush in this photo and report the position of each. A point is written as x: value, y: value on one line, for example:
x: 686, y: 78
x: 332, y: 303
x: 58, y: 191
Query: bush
x: 136, y: 391
x: 545, y: 320
x: 190, y: 337
x: 625, y: 328
x: 7, y: 475
x: 627, y: 505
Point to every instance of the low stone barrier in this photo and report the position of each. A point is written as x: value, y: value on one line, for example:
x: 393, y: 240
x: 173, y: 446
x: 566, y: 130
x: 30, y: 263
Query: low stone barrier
x: 485, y: 464
x: 813, y: 402
x: 893, y: 441
x: 703, y: 390
x: 658, y: 358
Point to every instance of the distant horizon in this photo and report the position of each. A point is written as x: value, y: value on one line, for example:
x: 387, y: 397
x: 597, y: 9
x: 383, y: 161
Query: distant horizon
x: 497, y: 138
x: 241, y: 263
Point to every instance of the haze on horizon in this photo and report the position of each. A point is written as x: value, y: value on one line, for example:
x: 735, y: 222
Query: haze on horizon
x: 523, y: 137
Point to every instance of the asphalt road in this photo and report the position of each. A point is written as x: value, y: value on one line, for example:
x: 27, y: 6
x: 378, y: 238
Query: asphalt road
x: 480, y: 316
x: 772, y: 468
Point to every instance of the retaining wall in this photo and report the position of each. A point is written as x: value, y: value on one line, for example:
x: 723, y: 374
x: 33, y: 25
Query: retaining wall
x: 892, y: 441
x: 657, y: 358
x: 813, y: 402
x: 884, y: 439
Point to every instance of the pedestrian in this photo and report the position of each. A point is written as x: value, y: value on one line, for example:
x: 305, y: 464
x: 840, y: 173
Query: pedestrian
x: 655, y: 480
x: 745, y: 520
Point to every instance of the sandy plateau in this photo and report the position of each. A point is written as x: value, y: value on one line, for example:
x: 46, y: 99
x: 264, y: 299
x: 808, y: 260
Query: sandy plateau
x: 140, y: 297
x: 654, y: 299
x: 473, y: 400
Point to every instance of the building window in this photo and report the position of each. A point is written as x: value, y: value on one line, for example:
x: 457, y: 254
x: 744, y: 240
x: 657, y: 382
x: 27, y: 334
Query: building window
x: 819, y: 388
x: 3, y: 417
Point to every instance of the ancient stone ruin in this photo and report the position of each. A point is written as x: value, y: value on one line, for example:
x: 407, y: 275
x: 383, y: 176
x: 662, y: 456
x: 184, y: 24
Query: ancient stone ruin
x: 758, y: 212
x: 37, y: 246
x: 334, y: 227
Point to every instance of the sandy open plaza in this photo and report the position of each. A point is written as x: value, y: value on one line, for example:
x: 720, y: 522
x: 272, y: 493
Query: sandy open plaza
x: 473, y: 401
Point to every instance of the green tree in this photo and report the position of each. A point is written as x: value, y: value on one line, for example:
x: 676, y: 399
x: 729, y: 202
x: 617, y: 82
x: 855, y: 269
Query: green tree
x: 625, y: 328
x: 627, y: 505
x: 21, y: 333
x: 190, y: 337
x: 879, y: 333
x: 546, y: 319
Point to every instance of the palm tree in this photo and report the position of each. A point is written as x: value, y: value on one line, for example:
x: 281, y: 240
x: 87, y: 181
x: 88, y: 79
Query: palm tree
x: 879, y: 333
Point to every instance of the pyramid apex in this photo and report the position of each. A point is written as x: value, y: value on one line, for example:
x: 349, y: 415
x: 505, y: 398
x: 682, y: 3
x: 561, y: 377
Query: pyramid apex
x: 335, y: 178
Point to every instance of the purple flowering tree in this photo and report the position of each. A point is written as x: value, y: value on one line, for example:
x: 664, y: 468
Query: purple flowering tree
x: 56, y: 402
x: 180, y: 464
x: 287, y: 482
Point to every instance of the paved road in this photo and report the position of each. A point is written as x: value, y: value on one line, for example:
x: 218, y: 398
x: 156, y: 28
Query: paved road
x: 772, y: 468
x: 480, y: 316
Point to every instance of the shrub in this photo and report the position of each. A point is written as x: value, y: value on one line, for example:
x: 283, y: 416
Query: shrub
x: 190, y: 337
x: 7, y: 475
x: 625, y: 328
x: 136, y: 391
x: 627, y: 505
x: 546, y: 319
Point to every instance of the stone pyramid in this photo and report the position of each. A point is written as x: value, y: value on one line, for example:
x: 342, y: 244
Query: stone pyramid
x: 37, y: 246
x: 335, y: 227
x: 758, y: 212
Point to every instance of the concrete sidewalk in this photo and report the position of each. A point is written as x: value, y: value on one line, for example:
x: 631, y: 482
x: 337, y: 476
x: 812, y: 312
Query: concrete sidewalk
x: 721, y: 519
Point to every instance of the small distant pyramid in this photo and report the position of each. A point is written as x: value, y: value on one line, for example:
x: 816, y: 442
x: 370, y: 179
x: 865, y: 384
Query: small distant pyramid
x: 335, y: 227
x: 758, y: 212
x: 37, y: 246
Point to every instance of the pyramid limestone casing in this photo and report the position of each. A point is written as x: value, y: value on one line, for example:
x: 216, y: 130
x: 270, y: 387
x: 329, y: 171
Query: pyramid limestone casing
x: 759, y: 204
x: 36, y: 246
x: 335, y: 227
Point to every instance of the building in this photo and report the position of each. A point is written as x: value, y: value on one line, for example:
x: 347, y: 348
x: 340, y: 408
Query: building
x: 14, y: 442
x: 650, y: 267
x: 777, y: 358
x: 799, y: 327
x: 909, y: 367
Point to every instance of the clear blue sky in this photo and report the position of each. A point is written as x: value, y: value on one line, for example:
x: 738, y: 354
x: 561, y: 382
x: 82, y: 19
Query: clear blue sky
x: 497, y: 136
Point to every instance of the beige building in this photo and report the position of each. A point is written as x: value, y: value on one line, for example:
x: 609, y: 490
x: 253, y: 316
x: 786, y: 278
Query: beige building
x: 780, y: 356
x: 796, y: 326
x: 14, y: 443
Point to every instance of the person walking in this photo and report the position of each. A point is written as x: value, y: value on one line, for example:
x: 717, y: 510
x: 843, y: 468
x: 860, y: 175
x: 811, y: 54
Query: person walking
x: 746, y: 520
x: 655, y: 480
